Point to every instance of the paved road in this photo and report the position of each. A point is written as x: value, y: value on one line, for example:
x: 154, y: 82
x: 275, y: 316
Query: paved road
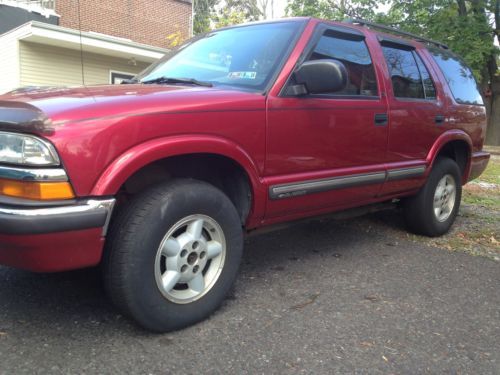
x: 320, y: 297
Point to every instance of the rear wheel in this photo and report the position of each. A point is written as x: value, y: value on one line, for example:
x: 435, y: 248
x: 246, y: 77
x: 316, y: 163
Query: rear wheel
x: 433, y: 210
x: 173, y: 254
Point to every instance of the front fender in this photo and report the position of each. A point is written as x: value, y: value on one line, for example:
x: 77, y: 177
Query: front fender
x: 124, y: 166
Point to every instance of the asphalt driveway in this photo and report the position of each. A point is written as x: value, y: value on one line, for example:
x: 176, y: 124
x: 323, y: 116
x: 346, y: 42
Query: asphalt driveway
x: 321, y: 297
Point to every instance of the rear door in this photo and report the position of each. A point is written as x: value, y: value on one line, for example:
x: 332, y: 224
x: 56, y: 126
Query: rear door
x: 328, y: 150
x: 417, y: 111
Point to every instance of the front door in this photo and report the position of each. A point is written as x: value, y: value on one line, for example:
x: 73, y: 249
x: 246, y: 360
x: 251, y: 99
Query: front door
x: 328, y: 150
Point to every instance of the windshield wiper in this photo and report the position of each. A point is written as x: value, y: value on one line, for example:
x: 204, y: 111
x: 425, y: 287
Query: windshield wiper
x: 191, y: 81
x: 130, y: 81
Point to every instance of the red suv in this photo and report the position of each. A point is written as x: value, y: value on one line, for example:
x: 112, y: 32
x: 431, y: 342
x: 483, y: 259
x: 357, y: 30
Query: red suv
x: 157, y: 180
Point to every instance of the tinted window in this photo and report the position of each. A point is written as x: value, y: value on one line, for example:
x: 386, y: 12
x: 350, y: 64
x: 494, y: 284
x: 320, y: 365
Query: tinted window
x: 459, y: 77
x: 429, y: 89
x: 405, y: 76
x: 353, y: 53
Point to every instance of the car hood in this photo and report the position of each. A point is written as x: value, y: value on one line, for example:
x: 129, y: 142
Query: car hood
x: 42, y: 110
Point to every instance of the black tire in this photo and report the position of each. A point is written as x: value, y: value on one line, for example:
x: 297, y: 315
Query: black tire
x: 133, y: 243
x: 418, y: 210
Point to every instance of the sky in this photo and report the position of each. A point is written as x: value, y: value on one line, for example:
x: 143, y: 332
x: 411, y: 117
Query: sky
x: 279, y: 8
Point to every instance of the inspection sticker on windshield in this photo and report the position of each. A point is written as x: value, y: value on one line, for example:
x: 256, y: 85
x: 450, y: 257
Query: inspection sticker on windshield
x: 242, y: 75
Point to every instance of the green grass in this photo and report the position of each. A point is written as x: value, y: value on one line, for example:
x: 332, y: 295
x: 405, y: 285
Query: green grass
x: 490, y: 201
x: 492, y: 172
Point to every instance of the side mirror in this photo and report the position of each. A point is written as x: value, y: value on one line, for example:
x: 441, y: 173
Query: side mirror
x: 320, y: 76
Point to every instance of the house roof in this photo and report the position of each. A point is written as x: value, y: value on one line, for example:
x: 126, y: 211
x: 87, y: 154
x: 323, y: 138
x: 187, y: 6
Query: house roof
x: 44, y: 33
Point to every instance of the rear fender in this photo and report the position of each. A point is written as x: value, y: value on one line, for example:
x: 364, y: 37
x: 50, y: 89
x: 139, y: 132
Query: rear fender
x: 445, y: 138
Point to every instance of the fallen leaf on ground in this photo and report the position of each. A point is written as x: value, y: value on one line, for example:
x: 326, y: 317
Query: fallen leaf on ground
x: 372, y: 298
x: 311, y: 300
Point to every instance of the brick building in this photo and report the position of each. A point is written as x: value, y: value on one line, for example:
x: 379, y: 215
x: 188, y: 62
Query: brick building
x: 142, y: 21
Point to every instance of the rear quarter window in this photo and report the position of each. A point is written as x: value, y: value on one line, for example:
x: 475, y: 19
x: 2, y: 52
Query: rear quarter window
x: 460, y: 79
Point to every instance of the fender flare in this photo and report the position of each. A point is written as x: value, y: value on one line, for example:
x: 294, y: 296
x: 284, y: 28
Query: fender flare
x: 442, y: 141
x: 137, y: 157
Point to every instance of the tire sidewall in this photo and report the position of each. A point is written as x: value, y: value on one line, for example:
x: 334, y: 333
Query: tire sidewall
x: 442, y: 167
x: 147, y: 303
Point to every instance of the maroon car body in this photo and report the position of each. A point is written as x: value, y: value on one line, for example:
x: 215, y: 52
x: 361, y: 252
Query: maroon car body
x: 104, y: 135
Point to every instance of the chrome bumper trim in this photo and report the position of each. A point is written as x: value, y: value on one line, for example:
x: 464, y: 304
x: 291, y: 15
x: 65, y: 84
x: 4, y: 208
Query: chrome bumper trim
x: 91, y: 213
x: 32, y: 174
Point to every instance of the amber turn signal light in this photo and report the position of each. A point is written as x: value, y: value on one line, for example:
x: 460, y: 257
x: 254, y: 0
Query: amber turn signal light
x: 36, y: 190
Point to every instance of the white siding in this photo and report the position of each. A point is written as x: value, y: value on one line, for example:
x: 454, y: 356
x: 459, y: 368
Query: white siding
x: 9, y: 62
x: 54, y: 66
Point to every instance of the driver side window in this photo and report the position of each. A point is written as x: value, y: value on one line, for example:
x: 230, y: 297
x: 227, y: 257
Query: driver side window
x: 352, y: 51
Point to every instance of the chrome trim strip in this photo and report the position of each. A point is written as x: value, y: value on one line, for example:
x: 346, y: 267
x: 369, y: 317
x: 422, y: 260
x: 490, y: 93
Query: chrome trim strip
x: 316, y: 186
x: 399, y: 174
x: 31, y: 174
x: 83, y: 207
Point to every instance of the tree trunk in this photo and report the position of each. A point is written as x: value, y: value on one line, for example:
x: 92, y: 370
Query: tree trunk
x: 462, y: 9
x: 493, y: 132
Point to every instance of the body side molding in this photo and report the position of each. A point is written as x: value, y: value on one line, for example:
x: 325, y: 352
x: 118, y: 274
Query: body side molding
x: 400, y: 174
x: 317, y: 186
x: 294, y: 189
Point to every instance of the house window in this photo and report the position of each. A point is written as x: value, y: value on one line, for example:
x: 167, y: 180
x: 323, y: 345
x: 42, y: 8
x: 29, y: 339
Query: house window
x: 118, y: 77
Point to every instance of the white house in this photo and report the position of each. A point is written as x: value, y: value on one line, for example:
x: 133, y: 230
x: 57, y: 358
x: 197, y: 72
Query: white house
x: 42, y: 54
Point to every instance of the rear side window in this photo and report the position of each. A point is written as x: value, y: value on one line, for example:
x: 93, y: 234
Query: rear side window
x: 429, y: 89
x: 405, y: 75
x: 353, y: 53
x: 459, y: 77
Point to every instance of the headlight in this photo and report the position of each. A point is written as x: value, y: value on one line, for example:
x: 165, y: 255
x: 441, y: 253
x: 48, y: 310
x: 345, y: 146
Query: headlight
x: 25, y: 149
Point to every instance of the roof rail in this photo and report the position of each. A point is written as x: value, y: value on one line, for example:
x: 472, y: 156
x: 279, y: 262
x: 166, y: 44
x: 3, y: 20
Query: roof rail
x: 389, y: 29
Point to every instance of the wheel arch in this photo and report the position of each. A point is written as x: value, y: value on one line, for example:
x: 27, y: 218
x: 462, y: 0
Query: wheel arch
x: 180, y: 148
x: 455, y: 144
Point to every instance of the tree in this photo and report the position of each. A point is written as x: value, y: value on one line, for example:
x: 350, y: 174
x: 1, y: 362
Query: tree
x: 252, y: 10
x: 334, y: 9
x: 229, y: 17
x: 209, y: 14
x: 203, y: 11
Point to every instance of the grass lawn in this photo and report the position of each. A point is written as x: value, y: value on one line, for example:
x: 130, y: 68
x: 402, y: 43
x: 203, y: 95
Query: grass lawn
x: 477, y: 229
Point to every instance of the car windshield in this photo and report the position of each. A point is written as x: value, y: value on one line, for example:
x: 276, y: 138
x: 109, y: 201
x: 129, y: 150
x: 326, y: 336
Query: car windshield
x: 246, y: 56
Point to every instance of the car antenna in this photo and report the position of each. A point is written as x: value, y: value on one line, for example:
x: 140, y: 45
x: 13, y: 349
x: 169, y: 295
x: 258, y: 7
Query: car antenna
x: 81, y: 43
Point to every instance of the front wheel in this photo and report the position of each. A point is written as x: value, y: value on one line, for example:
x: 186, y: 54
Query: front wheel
x: 433, y: 210
x: 173, y: 254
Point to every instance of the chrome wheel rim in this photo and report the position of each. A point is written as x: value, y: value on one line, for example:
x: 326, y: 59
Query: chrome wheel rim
x: 190, y: 259
x: 444, y: 198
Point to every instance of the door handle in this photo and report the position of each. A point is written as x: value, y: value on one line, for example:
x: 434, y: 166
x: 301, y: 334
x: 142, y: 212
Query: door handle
x: 439, y: 119
x: 381, y: 119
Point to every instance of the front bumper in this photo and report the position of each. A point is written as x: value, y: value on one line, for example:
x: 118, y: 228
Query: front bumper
x: 53, y: 238
x: 92, y: 213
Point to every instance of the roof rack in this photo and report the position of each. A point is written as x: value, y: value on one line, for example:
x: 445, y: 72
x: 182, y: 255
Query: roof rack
x: 394, y: 30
